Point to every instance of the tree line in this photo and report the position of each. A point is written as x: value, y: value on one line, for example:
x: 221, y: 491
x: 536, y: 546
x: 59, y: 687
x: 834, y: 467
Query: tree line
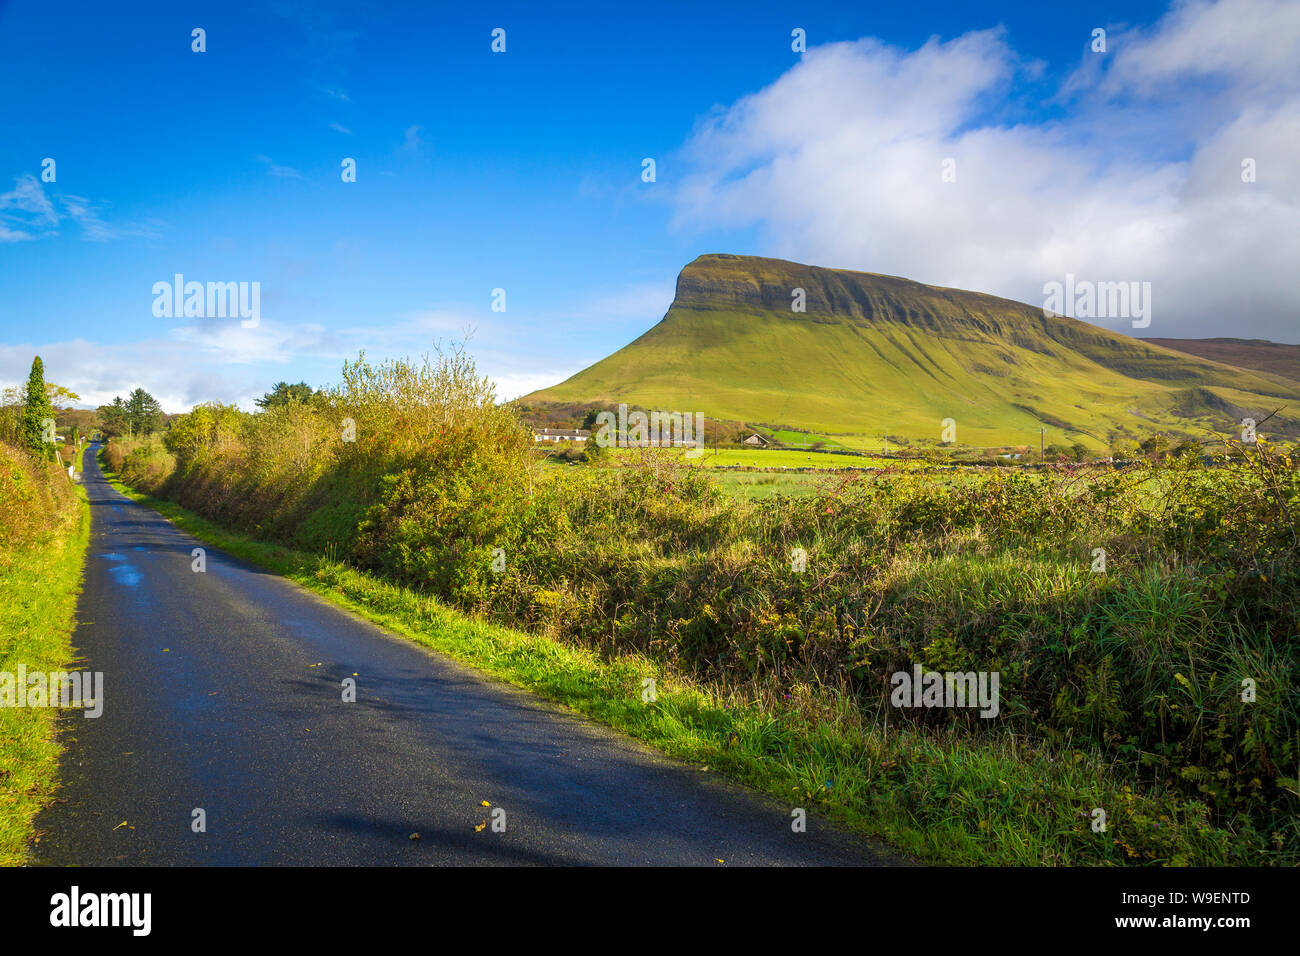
x: 140, y: 415
x: 137, y: 416
x: 31, y: 414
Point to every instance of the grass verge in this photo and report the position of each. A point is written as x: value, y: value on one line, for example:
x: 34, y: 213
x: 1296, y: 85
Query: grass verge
x: 39, y: 583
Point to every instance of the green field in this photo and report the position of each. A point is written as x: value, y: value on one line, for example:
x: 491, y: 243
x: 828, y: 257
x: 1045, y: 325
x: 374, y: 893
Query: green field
x: 747, y: 484
x: 763, y: 473
x: 787, y: 437
x: 767, y: 458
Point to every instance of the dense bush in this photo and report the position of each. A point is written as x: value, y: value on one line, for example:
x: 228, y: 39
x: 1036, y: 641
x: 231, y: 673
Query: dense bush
x: 37, y: 498
x: 409, y: 469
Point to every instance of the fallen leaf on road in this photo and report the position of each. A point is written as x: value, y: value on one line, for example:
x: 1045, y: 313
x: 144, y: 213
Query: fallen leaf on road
x: 485, y: 804
x: 479, y: 828
x: 120, y: 825
x: 414, y: 836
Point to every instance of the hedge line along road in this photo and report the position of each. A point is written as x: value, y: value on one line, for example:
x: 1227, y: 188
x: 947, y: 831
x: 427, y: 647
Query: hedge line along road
x: 223, y: 693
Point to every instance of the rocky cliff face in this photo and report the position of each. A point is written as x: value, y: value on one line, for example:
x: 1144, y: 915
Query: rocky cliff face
x: 750, y: 284
x: 743, y: 283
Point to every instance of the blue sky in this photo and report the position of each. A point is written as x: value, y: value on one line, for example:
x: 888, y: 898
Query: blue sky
x: 522, y: 170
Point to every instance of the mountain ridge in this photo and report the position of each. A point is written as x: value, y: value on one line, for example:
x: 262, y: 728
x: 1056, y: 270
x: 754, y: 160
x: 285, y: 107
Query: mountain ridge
x: 1257, y: 355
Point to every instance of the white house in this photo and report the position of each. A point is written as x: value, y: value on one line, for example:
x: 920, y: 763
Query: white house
x: 561, y: 434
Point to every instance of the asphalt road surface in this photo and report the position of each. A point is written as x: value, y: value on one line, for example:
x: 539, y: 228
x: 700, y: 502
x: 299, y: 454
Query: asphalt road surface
x: 223, y: 692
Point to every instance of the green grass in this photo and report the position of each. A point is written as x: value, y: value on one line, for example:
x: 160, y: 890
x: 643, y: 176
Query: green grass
x: 787, y: 437
x: 39, y: 583
x: 768, y: 484
x: 767, y: 458
x: 945, y: 795
x: 788, y: 458
x: 877, y: 355
x: 763, y: 485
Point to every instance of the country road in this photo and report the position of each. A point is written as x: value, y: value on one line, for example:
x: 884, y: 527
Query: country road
x: 223, y: 692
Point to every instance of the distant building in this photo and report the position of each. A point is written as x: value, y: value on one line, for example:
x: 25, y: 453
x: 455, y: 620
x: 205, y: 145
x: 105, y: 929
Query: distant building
x: 757, y: 440
x: 561, y: 434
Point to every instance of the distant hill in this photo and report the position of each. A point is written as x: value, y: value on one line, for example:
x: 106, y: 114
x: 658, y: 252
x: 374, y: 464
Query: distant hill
x: 1257, y: 355
x: 874, y: 354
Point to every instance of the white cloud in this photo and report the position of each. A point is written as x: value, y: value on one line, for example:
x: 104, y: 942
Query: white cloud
x: 168, y: 370
x: 275, y: 169
x: 26, y: 212
x: 839, y: 164
x: 222, y: 361
x: 516, y: 383
x: 93, y: 228
x: 227, y: 342
x: 219, y: 359
x: 1251, y: 45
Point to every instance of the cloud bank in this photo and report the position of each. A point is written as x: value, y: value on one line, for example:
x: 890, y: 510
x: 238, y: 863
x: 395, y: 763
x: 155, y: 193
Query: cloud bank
x: 1136, y: 173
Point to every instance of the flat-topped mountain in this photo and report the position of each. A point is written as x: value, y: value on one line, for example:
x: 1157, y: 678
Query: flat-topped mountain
x: 873, y: 354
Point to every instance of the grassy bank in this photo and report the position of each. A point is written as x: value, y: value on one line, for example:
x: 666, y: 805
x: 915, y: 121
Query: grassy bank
x: 44, y: 528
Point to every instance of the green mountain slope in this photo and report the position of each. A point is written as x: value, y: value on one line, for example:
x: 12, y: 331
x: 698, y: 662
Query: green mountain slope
x: 875, y: 354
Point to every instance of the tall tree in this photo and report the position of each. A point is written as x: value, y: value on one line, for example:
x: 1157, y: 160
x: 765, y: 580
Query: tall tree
x: 38, y: 413
x: 143, y: 412
x: 113, y: 420
x: 283, y: 394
